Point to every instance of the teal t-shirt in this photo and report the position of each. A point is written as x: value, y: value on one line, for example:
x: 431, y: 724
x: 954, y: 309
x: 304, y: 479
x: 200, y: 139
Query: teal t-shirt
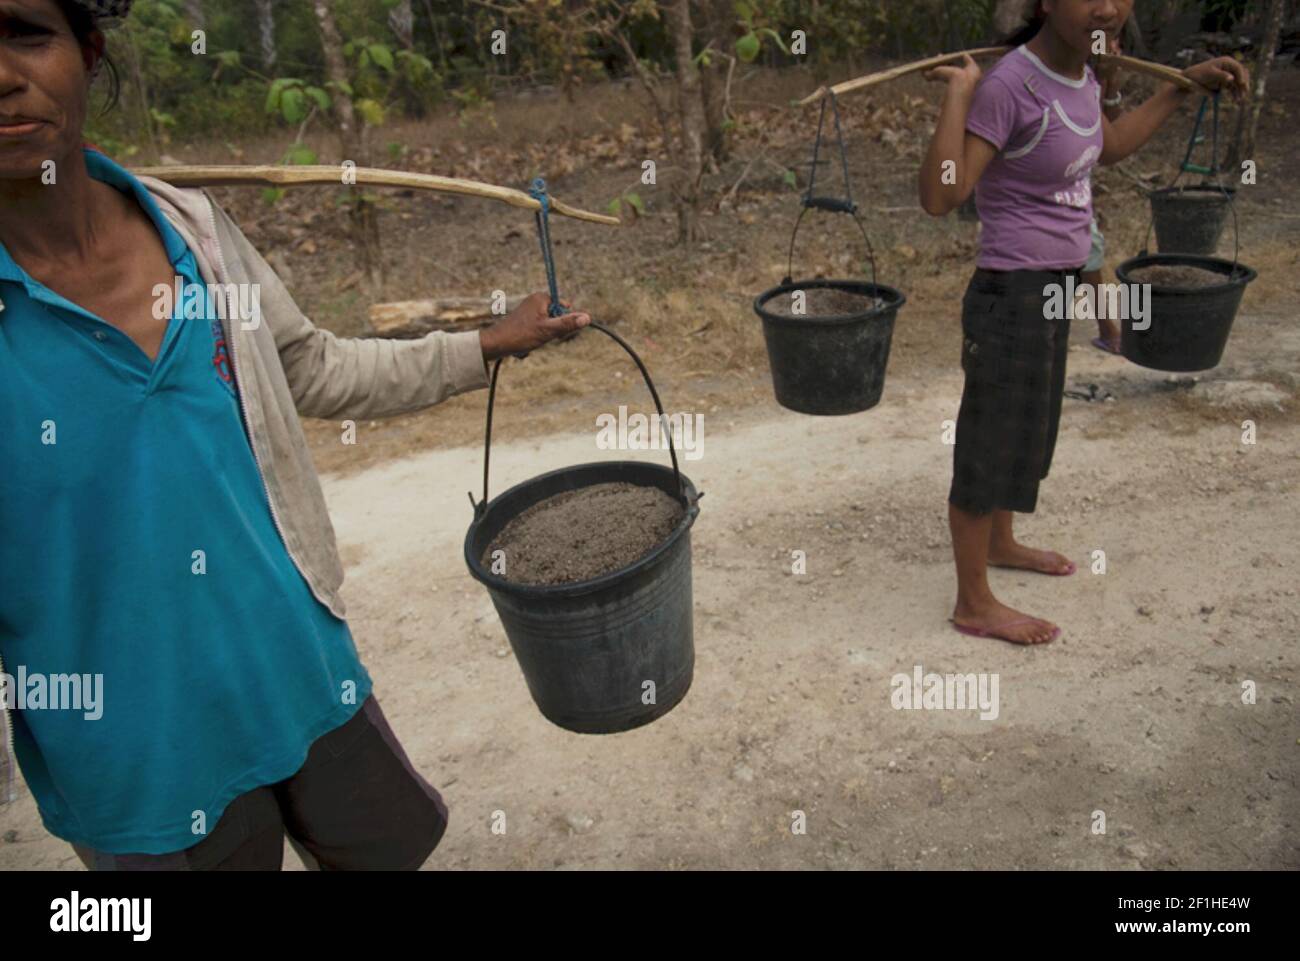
x: 138, y: 550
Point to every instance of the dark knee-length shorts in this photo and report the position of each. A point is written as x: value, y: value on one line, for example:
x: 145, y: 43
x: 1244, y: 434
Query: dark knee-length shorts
x: 1013, y: 355
x: 357, y: 804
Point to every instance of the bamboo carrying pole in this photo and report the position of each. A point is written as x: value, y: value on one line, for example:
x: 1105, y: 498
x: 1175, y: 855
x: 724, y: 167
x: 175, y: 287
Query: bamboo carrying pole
x: 1132, y: 64
x: 271, y: 176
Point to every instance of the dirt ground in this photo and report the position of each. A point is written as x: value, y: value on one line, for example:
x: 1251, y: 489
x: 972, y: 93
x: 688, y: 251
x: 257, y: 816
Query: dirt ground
x: 1136, y: 711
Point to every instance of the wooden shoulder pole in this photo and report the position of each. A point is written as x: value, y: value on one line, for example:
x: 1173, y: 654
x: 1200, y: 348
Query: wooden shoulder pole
x: 1132, y: 64
x: 884, y: 76
x: 282, y: 176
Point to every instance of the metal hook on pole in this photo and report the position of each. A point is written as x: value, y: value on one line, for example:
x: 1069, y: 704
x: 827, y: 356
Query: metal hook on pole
x: 538, y: 192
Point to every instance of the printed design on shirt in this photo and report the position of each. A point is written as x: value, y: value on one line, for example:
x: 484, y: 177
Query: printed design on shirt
x: 221, y: 357
x: 1028, y: 148
x: 1081, y: 131
x: 195, y: 302
x: 1080, y: 194
x: 1085, y: 162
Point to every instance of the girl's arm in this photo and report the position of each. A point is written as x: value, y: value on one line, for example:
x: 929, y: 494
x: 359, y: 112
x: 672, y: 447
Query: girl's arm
x: 1130, y: 132
x: 1127, y: 135
x: 945, y: 187
x: 1108, y: 76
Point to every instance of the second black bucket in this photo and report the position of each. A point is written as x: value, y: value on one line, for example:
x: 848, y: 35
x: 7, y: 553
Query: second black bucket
x: 1190, y: 220
x: 830, y: 365
x: 611, y: 653
x: 1186, y: 328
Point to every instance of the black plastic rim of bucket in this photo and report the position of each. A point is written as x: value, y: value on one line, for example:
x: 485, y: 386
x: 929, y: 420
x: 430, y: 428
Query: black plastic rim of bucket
x: 1236, y: 274
x: 893, y: 300
x: 580, y: 588
x: 1194, y: 193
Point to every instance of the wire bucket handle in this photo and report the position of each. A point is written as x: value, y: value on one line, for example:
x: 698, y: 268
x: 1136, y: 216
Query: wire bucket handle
x: 871, y: 254
x: 481, y: 506
x: 832, y: 204
x: 1213, y: 170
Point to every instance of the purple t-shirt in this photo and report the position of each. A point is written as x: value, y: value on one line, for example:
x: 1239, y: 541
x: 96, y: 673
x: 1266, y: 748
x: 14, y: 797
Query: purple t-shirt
x: 1035, y: 198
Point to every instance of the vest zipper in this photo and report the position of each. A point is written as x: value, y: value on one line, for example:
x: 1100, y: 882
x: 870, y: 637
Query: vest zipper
x: 222, y: 277
x: 7, y: 792
x: 234, y: 371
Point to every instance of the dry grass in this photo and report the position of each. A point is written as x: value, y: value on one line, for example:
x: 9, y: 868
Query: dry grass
x: 689, y: 312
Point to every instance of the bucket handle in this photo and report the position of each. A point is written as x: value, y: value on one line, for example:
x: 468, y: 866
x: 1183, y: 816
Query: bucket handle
x: 492, y: 392
x: 835, y: 205
x: 1213, y: 170
x: 851, y: 211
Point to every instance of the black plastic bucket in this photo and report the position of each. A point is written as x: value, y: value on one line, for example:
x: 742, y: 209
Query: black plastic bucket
x: 830, y: 365
x: 1189, y: 327
x: 1190, y: 220
x: 589, y: 648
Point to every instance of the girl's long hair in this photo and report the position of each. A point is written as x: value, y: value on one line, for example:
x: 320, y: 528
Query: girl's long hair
x: 1029, y: 30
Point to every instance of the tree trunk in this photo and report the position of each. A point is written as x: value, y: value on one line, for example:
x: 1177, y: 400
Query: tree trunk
x: 364, y: 220
x: 266, y: 33
x: 690, y: 105
x: 402, y: 20
x: 194, y: 15
x: 1243, y: 144
x: 717, y: 27
x: 713, y: 87
x: 437, y: 35
x: 415, y: 318
x: 336, y: 69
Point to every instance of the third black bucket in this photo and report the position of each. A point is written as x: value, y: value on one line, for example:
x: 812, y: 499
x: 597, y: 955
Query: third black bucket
x: 1190, y: 220
x: 1187, y: 328
x: 830, y: 365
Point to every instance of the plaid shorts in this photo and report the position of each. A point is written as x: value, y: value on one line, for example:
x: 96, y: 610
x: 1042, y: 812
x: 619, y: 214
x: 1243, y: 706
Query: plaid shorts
x: 1014, y: 360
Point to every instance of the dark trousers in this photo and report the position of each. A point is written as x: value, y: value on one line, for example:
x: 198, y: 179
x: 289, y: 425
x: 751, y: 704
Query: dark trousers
x: 1013, y: 355
x: 355, y: 804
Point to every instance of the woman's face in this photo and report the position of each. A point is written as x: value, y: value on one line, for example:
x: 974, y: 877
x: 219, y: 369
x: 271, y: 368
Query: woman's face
x: 1123, y: 10
x: 44, y: 86
x: 1077, y: 21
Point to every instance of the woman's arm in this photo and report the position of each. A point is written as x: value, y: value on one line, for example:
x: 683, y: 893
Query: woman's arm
x: 366, y: 377
x: 946, y: 187
x: 1131, y: 132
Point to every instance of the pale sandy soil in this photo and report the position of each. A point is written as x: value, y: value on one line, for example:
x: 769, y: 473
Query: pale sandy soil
x: 1136, y: 711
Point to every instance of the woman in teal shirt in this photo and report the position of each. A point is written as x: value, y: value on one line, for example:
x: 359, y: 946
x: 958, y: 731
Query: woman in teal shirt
x: 158, y: 502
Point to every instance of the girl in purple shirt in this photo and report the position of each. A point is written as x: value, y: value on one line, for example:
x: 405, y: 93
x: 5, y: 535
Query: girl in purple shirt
x: 1024, y: 139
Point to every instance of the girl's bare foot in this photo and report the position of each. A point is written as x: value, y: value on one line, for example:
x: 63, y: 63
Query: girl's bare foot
x: 1108, y: 332
x: 995, y: 619
x: 1025, y: 558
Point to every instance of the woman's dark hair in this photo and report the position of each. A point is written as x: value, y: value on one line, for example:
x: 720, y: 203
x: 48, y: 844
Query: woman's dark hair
x: 83, y: 25
x: 1029, y: 30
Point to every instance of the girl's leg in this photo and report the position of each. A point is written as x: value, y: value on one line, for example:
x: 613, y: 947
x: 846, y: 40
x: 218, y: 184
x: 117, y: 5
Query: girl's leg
x: 1006, y: 551
x: 977, y: 608
x: 1009, y: 364
x: 1107, y: 329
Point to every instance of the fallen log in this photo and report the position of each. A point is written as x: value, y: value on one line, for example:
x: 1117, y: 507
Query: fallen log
x: 233, y: 175
x: 1132, y: 64
x: 414, y: 318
